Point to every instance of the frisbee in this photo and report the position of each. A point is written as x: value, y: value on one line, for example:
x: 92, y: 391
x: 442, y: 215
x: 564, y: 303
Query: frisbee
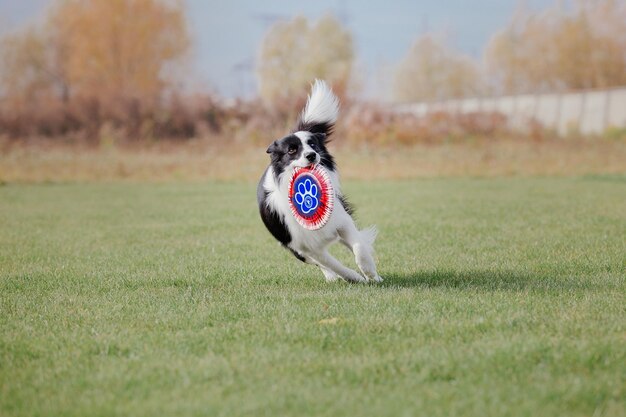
x: 311, y: 197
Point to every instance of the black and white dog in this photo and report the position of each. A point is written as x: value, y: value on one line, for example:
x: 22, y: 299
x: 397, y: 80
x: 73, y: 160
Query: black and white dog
x: 303, y: 148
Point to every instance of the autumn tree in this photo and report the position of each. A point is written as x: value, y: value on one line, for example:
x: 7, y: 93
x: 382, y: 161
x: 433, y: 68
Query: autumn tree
x: 294, y: 53
x: 32, y: 66
x: 102, y: 48
x: 561, y: 49
x: 431, y: 70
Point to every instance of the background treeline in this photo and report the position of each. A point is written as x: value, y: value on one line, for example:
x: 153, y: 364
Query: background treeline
x: 98, y: 70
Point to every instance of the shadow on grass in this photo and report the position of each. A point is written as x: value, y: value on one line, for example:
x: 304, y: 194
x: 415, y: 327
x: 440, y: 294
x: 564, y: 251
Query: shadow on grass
x: 485, y: 280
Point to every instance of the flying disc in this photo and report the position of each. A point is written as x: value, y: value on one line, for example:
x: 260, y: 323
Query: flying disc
x: 311, y: 197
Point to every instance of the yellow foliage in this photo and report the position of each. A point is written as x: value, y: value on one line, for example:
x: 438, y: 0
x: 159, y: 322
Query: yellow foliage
x: 101, y: 48
x: 560, y: 50
x: 433, y: 71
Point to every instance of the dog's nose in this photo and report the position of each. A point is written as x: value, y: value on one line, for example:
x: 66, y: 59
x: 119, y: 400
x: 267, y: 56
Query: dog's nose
x: 311, y: 156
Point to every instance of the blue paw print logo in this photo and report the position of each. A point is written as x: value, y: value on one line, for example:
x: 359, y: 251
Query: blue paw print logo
x: 306, y: 196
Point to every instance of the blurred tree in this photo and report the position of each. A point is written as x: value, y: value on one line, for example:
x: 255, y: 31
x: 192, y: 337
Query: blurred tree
x: 121, y: 47
x: 32, y: 67
x: 561, y: 49
x: 433, y: 71
x: 296, y: 52
x: 97, y: 48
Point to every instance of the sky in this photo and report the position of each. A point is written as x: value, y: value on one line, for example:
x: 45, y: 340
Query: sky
x: 226, y: 34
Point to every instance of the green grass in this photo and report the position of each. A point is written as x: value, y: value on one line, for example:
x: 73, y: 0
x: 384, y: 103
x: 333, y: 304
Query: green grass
x: 502, y: 297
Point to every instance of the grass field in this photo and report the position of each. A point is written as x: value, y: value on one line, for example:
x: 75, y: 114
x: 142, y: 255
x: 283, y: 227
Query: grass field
x: 502, y: 297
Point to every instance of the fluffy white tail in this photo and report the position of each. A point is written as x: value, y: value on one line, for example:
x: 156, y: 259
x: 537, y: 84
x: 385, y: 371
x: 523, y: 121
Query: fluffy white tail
x: 322, y: 107
x: 368, y: 236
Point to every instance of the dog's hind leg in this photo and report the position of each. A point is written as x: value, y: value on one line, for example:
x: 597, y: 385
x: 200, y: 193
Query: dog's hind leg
x: 361, y: 242
x: 326, y: 261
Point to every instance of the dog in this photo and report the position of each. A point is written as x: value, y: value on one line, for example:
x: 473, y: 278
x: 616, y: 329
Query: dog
x: 307, y: 147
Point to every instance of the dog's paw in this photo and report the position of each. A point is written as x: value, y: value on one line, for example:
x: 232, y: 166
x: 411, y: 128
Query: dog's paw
x: 355, y: 277
x: 329, y: 275
x: 374, y: 278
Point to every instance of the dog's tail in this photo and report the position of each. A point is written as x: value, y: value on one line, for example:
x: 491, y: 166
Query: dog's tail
x: 368, y: 236
x: 321, y: 111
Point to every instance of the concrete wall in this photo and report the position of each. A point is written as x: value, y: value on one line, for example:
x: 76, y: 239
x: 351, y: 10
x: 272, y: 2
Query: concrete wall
x: 588, y: 112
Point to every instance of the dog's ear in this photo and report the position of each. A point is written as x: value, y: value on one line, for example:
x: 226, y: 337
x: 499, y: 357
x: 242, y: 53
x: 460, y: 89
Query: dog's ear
x: 272, y: 147
x: 321, y: 138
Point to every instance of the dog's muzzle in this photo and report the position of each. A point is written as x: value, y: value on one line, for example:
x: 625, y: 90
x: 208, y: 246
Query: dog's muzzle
x: 311, y: 157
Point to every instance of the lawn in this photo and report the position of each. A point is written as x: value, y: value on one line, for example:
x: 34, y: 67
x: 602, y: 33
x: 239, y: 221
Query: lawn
x: 502, y: 297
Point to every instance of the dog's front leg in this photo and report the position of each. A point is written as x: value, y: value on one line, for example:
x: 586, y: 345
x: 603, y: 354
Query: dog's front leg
x: 327, y: 261
x: 329, y: 275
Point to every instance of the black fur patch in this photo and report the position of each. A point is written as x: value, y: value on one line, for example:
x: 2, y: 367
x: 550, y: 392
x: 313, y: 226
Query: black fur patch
x: 326, y: 159
x: 346, y: 204
x: 279, y: 152
x: 272, y: 220
x: 297, y: 255
x: 316, y: 127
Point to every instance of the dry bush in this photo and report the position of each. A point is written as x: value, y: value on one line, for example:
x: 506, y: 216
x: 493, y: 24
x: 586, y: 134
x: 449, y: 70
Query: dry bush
x: 92, y: 120
x: 183, y: 118
x: 374, y: 125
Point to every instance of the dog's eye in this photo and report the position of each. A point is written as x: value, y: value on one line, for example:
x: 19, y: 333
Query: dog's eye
x: 313, y: 145
x: 292, y: 150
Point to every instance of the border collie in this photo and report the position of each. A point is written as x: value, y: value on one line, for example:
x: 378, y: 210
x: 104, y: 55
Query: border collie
x: 305, y: 147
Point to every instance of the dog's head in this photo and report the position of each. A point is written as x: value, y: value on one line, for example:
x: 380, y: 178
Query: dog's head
x: 307, y: 146
x: 300, y: 149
